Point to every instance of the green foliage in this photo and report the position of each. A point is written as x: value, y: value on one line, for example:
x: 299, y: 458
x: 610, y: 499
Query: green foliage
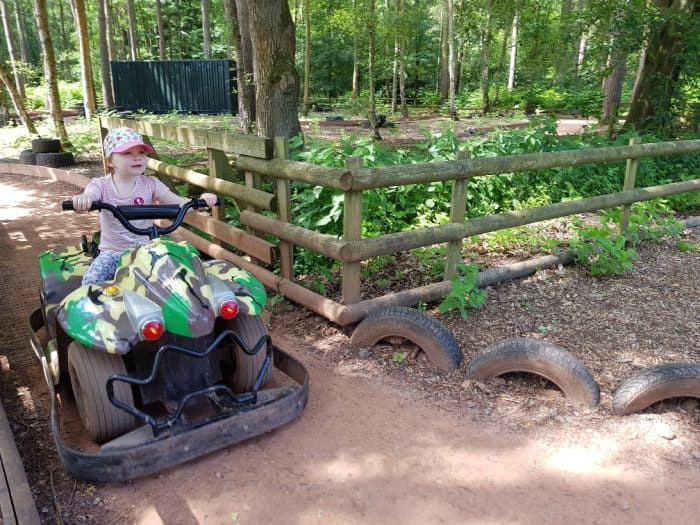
x: 464, y: 294
x: 686, y: 246
x: 602, y: 253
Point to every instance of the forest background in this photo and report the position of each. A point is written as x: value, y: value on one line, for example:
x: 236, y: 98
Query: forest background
x: 628, y: 63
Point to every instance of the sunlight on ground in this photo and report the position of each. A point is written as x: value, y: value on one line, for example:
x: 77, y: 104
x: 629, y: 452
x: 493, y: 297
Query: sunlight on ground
x: 25, y: 395
x: 149, y: 515
x: 10, y: 198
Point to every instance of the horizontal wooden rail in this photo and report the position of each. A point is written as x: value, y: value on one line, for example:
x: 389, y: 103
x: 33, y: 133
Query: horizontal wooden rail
x: 426, y: 172
x: 333, y: 178
x: 318, y: 242
x: 257, y: 198
x: 238, y: 143
x: 403, y: 241
x: 259, y: 248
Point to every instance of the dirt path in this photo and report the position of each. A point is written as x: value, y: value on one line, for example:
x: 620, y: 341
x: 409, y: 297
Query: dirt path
x: 371, y: 446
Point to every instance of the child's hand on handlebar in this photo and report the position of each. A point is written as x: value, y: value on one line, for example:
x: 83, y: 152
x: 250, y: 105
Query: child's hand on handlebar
x: 210, y: 198
x: 82, y: 202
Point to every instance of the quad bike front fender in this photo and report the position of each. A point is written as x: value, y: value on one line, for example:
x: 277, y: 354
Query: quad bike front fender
x: 98, y: 320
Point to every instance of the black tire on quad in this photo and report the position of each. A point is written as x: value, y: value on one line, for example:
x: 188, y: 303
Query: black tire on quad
x: 250, y: 328
x: 89, y: 370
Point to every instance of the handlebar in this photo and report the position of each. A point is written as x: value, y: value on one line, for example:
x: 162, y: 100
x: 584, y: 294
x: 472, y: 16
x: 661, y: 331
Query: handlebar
x: 125, y: 214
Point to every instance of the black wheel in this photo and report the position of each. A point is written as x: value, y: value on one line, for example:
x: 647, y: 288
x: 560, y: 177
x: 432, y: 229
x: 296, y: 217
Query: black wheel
x: 656, y: 384
x: 27, y: 157
x: 55, y: 160
x: 89, y: 370
x: 541, y: 358
x: 46, y: 145
x: 245, y: 368
x: 438, y: 343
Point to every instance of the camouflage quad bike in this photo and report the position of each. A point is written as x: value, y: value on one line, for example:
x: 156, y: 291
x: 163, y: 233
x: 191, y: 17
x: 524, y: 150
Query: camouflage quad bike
x: 166, y: 362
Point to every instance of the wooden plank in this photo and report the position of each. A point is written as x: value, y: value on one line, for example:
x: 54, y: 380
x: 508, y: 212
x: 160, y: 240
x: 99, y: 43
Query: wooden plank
x: 250, y: 244
x: 458, y: 209
x: 252, y: 196
x: 236, y: 143
x: 284, y: 210
x: 629, y: 184
x: 16, y: 501
x: 352, y: 231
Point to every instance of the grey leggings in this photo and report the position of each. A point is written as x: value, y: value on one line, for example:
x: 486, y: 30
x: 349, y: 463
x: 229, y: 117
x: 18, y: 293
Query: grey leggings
x: 102, y: 268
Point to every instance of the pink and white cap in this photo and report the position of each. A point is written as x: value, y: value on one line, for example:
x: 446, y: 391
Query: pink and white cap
x: 119, y: 140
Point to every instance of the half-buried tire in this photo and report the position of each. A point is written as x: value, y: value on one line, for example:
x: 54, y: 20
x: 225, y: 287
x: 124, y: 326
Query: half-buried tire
x: 433, y: 338
x: 656, y: 384
x: 540, y: 358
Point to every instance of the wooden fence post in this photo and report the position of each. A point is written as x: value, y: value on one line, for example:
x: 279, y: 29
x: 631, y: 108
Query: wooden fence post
x: 218, y: 168
x: 284, y: 210
x: 458, y: 208
x: 630, y: 182
x: 352, y: 231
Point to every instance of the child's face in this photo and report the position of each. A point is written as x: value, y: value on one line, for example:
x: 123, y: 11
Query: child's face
x: 132, y: 162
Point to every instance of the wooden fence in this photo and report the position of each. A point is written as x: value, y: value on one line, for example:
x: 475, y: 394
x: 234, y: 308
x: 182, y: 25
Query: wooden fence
x: 257, y: 157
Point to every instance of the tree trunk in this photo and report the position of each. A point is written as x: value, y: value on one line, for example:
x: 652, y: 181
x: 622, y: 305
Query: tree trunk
x: 109, y: 25
x: 579, y: 47
x: 17, y: 101
x: 12, y: 49
x: 355, y: 56
x: 565, y: 21
x: 231, y: 29
x: 205, y: 29
x: 485, y: 58
x: 133, y: 41
x: 105, y: 68
x: 161, y: 29
x: 244, y: 68
x: 651, y: 106
x: 513, y: 52
x: 444, y: 58
x: 307, y: 57
x: 42, y: 22
x: 451, y: 59
x: 612, y: 85
x: 65, y: 43
x: 371, y: 34
x: 90, y: 106
x: 276, y: 79
x: 22, y: 33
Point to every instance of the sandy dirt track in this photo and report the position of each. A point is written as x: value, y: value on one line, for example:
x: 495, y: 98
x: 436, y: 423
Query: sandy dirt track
x: 367, y: 449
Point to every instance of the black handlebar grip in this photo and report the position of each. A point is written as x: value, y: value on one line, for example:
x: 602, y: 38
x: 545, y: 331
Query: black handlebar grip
x: 67, y: 205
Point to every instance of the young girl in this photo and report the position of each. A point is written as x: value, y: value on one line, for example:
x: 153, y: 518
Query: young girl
x: 125, y: 183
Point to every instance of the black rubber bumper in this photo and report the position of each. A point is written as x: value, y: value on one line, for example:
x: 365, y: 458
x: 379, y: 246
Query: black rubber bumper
x: 138, y: 453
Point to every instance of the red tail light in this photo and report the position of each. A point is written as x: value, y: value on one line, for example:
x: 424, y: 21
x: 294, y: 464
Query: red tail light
x: 228, y: 309
x: 152, y: 330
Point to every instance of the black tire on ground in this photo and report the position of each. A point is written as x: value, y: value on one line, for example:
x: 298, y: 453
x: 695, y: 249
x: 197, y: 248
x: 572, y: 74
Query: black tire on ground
x: 250, y: 328
x: 46, y: 145
x: 541, y: 358
x: 55, y: 160
x: 656, y: 384
x: 27, y: 157
x: 432, y: 337
x: 89, y: 370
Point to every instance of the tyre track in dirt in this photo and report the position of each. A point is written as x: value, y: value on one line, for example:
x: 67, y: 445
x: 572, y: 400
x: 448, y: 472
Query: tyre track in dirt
x: 366, y: 450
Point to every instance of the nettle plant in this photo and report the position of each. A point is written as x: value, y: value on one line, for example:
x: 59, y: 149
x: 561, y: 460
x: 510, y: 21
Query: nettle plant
x: 604, y: 251
x: 464, y: 295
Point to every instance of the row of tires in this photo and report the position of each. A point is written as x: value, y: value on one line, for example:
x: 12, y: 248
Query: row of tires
x: 47, y: 152
x: 528, y: 355
x: 52, y: 160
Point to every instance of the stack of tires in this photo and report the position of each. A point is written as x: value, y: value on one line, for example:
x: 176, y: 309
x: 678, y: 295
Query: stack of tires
x: 47, y: 152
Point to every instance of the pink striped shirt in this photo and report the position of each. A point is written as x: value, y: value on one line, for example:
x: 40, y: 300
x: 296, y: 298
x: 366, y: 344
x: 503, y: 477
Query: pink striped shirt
x: 147, y: 190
